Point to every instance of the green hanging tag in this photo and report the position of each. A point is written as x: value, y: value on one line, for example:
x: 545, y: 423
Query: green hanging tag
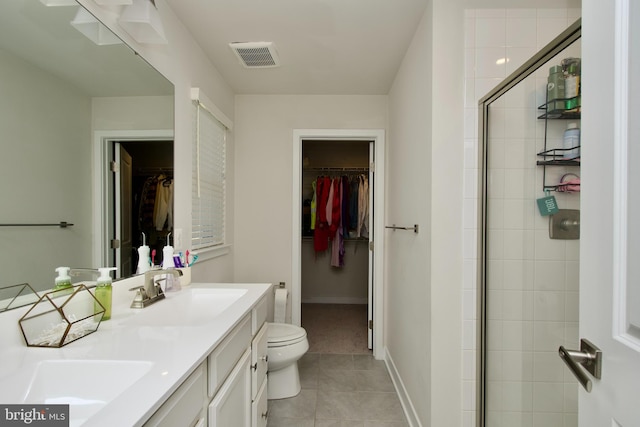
x: 547, y: 205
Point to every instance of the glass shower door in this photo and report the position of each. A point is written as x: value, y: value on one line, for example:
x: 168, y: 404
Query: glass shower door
x: 530, y: 280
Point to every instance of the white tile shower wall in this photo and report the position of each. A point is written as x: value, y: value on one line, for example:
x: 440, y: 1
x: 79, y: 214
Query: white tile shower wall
x: 524, y: 384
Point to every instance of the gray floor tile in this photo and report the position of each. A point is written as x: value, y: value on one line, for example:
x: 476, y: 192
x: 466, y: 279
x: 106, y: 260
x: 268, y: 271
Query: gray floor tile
x: 385, y: 424
x: 301, y: 406
x: 308, y: 367
x: 339, y: 423
x: 374, y: 380
x: 366, y: 362
x: 381, y: 407
x: 338, y: 406
x: 337, y: 380
x: 336, y: 361
x: 290, y: 422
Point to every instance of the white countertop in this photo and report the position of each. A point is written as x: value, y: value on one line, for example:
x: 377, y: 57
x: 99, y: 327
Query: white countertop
x: 175, y: 351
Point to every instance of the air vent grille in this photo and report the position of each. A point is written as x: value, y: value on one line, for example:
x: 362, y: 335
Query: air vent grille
x: 256, y: 54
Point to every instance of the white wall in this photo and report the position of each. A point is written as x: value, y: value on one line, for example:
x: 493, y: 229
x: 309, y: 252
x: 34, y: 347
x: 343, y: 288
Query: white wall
x: 46, y: 125
x: 409, y: 193
x: 263, y: 171
x: 133, y: 113
x: 184, y: 63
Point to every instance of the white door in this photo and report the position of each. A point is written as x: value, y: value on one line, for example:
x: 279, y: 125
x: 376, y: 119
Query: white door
x: 123, y: 188
x: 371, y: 229
x: 610, y: 232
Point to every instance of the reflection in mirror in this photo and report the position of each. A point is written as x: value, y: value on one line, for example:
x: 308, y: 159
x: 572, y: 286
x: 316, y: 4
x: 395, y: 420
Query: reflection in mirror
x: 15, y: 296
x: 59, y: 89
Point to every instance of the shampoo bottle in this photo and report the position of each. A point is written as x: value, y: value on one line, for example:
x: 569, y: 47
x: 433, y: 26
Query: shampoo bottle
x: 63, y: 281
x: 571, y: 142
x: 103, y: 291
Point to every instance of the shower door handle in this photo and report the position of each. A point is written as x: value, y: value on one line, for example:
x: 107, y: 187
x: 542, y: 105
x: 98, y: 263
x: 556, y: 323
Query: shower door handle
x: 588, y: 357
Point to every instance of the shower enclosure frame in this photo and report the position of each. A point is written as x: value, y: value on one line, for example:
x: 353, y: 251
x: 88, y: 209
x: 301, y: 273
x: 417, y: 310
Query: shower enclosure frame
x: 557, y: 45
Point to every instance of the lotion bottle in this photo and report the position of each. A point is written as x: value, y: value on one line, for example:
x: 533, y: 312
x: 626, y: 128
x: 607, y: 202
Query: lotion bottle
x: 103, y: 291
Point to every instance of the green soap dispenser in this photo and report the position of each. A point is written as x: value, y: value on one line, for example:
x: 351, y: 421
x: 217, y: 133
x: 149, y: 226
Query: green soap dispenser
x: 103, y: 291
x: 63, y: 281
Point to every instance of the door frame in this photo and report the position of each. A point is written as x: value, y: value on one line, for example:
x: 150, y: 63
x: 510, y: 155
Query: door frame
x: 378, y: 138
x: 103, y: 142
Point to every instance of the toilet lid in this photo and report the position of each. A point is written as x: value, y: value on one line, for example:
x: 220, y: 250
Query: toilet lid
x: 283, y: 332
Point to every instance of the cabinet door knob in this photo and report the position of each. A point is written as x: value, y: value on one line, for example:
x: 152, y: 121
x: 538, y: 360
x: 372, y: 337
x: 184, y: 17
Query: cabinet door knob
x: 265, y: 414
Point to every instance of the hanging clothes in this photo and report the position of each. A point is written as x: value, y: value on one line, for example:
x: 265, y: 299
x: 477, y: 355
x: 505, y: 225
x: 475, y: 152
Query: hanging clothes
x: 363, y: 206
x: 353, y: 203
x: 313, y: 206
x: 321, y: 231
x: 163, y: 207
x: 345, y: 206
x: 147, y: 203
x: 336, y: 207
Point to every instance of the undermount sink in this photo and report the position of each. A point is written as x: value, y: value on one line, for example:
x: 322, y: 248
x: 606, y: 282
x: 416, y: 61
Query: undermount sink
x: 190, y: 307
x: 86, y: 385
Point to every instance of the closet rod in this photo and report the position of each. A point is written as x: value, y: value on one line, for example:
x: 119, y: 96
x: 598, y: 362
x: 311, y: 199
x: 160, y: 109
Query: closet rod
x: 363, y: 169
x: 61, y: 224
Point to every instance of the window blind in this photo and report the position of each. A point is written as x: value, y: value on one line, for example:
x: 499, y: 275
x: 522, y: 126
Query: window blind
x: 208, y: 180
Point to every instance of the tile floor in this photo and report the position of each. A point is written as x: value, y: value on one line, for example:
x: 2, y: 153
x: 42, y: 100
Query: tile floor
x: 349, y: 389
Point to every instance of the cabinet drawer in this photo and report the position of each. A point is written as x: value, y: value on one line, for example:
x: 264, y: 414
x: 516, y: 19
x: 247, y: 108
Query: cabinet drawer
x: 184, y: 407
x: 259, y: 315
x: 224, y: 357
x: 232, y: 405
x: 259, y: 348
x: 259, y: 407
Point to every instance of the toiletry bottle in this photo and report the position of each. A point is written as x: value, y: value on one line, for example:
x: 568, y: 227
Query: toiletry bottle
x: 167, y: 262
x: 555, y: 89
x: 571, y: 68
x: 143, y: 259
x: 63, y: 281
x: 571, y: 142
x: 103, y: 291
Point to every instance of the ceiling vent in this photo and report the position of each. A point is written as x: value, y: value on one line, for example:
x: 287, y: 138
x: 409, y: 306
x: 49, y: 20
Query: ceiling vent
x: 256, y: 54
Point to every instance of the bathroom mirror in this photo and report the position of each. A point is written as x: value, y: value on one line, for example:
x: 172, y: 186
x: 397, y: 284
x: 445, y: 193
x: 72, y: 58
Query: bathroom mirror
x: 58, y: 89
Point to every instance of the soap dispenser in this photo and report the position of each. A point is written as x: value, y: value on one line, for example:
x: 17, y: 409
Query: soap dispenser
x: 63, y: 281
x: 104, y: 290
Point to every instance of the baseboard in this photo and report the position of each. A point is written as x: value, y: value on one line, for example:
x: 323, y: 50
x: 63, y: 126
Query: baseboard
x: 405, y: 401
x: 334, y: 300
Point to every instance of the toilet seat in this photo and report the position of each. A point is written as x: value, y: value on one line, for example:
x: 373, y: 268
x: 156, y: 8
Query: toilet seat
x: 284, y: 334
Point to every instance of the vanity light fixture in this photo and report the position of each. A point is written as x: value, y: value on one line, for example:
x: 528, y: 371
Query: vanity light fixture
x: 59, y: 2
x: 142, y: 21
x: 93, y: 29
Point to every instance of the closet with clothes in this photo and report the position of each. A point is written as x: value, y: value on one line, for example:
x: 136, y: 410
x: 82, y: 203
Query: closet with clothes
x: 151, y: 196
x: 335, y: 234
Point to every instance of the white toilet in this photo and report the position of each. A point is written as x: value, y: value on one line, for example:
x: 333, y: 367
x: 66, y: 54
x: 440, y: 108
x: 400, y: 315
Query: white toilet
x: 287, y: 344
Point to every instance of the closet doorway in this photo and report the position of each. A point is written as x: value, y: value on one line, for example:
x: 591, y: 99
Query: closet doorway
x: 124, y: 164
x: 337, y: 268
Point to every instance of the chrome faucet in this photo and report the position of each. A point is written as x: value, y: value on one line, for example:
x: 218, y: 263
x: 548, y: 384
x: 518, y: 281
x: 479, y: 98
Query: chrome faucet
x: 151, y: 291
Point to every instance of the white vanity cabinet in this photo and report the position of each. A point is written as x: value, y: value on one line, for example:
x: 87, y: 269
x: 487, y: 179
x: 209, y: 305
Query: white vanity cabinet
x: 259, y: 365
x: 241, y: 362
x: 228, y: 389
x: 184, y: 407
